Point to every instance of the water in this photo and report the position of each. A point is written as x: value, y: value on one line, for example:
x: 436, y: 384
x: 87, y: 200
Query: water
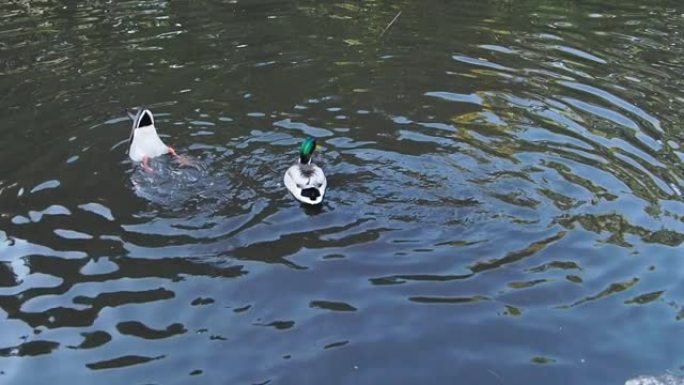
x: 504, y: 202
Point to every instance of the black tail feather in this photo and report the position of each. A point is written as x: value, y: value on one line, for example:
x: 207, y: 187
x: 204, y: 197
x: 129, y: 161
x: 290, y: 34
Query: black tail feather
x: 311, y: 193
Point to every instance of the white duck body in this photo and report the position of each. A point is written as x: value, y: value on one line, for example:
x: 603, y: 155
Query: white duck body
x: 145, y: 141
x: 306, y: 182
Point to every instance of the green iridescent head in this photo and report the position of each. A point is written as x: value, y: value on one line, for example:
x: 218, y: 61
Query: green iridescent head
x: 306, y: 150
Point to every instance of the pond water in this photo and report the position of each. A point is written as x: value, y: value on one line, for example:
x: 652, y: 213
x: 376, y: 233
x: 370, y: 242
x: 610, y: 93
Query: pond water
x: 504, y: 205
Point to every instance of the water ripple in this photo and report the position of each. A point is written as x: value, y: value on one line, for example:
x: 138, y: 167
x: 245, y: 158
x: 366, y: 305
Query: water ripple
x: 519, y: 160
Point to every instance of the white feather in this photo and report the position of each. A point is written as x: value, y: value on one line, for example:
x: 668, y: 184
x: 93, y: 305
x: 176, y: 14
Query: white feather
x: 146, y: 142
x: 301, y: 177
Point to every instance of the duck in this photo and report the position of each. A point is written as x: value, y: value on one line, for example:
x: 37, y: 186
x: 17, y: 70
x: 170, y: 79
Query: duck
x: 304, y: 180
x: 144, y: 142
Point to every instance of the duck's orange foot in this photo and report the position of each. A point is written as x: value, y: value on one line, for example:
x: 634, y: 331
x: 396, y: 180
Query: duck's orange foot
x: 184, y: 161
x: 146, y: 164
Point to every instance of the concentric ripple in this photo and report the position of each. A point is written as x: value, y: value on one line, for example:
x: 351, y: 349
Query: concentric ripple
x: 504, y: 206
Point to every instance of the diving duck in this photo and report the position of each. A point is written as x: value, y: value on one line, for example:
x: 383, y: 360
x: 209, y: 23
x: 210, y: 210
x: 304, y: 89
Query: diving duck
x: 144, y: 142
x: 304, y: 180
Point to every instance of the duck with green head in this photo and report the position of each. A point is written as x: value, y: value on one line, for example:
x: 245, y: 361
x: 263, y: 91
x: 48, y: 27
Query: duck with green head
x: 304, y: 180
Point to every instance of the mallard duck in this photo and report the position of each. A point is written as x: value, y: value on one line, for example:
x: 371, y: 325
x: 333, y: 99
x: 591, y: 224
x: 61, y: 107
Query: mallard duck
x: 144, y: 142
x: 304, y: 180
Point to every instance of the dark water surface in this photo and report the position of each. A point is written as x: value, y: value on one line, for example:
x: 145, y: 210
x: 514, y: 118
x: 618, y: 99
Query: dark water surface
x: 505, y: 199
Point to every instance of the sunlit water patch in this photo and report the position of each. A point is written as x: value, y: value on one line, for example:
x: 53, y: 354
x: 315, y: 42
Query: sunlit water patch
x: 504, y: 203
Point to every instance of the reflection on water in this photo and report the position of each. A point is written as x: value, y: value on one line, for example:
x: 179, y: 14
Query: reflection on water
x: 504, y: 204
